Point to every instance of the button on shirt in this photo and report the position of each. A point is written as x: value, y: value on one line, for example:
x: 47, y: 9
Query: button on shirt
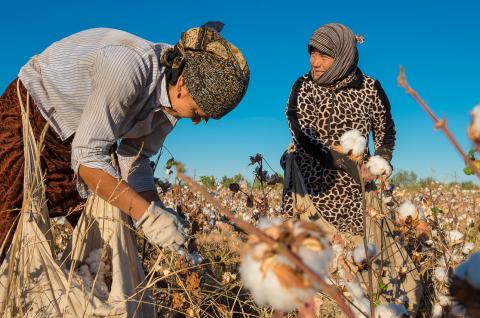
x: 104, y: 85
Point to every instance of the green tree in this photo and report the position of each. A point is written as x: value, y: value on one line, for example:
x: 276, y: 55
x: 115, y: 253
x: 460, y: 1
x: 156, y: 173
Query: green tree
x: 226, y: 181
x: 208, y: 181
x: 404, y: 179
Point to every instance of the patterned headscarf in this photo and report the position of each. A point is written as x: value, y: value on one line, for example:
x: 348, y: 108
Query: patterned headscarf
x: 215, y: 71
x: 339, y: 42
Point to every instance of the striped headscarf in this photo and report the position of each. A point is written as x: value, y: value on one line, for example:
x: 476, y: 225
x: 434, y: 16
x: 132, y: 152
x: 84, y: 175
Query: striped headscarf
x: 215, y: 71
x: 339, y: 42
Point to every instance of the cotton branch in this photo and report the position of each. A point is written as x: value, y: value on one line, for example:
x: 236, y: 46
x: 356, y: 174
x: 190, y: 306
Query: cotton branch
x: 438, y: 123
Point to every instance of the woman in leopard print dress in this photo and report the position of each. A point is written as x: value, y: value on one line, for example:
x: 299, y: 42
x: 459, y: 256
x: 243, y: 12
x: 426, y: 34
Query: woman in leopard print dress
x: 333, y: 98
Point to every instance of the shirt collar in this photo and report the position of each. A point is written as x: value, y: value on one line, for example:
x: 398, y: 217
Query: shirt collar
x: 164, y: 100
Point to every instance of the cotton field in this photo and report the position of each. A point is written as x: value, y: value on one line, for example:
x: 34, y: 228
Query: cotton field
x: 233, y: 275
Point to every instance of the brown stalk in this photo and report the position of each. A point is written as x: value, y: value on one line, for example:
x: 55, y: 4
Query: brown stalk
x: 438, y: 123
x: 250, y: 229
x: 365, y: 243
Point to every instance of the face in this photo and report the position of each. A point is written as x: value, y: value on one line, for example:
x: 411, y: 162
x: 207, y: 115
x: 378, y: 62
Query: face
x: 319, y: 63
x: 183, y: 105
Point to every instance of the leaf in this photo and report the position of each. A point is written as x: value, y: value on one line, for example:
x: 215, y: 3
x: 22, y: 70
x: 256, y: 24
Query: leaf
x: 170, y: 163
x: 467, y: 171
x: 436, y: 210
x: 471, y: 153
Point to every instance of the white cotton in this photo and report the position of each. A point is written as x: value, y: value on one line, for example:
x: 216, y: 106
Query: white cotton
x: 475, y: 125
x: 84, y: 273
x: 264, y: 223
x: 454, y: 237
x: 378, y: 166
x: 358, y: 298
x: 407, y: 209
x: 359, y: 253
x: 467, y: 248
x: 317, y: 261
x: 337, y: 251
x: 94, y: 261
x: 261, y: 271
x: 265, y: 287
x: 443, y: 300
x: 437, y: 311
x: 441, y: 274
x: 390, y: 311
x: 353, y: 142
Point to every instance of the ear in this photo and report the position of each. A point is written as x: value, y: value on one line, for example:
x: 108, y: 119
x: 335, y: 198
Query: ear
x: 180, y: 82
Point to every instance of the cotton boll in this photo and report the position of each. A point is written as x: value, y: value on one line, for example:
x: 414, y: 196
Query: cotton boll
x: 337, y: 251
x: 252, y: 275
x: 358, y: 298
x: 317, y: 261
x: 407, y: 210
x: 353, y: 142
x: 359, y: 253
x: 272, y: 279
x: 437, y: 311
x: 378, y: 166
x: 467, y: 248
x: 84, y: 273
x: 265, y: 285
x: 94, y: 260
x: 264, y: 223
x: 441, y: 274
x: 454, y: 237
x: 443, y: 300
x: 390, y: 311
x: 474, y: 128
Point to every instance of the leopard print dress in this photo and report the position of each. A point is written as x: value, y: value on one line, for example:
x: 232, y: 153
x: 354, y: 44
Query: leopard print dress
x: 324, y: 114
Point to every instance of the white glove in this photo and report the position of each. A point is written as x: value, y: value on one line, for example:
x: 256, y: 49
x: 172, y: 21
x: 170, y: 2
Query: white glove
x: 162, y: 226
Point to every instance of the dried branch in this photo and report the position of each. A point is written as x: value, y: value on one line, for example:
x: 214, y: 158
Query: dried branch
x: 250, y: 229
x: 438, y: 123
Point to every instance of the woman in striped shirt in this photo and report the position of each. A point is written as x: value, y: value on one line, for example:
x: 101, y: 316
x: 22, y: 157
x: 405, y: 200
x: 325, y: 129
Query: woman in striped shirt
x: 102, y: 88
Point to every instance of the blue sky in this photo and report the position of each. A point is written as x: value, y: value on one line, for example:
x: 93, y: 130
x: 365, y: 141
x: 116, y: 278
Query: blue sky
x: 436, y: 41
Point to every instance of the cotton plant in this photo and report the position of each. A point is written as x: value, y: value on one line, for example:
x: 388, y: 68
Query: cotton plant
x: 271, y: 277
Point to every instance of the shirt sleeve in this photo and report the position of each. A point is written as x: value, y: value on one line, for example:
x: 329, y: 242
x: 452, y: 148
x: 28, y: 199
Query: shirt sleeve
x: 118, y: 78
x: 133, y: 158
x: 383, y: 126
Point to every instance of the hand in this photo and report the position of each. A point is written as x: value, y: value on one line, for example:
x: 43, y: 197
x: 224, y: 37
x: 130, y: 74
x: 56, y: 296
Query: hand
x: 366, y: 175
x: 162, y: 226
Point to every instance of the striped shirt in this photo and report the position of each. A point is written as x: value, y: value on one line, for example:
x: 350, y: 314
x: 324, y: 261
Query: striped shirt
x: 104, y: 86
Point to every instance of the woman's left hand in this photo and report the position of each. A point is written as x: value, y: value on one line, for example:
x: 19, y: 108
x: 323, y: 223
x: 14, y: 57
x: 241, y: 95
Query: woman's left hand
x: 366, y: 175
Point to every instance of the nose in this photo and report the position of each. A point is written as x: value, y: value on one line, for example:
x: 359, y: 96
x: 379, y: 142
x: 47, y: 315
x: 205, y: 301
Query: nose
x: 315, y: 60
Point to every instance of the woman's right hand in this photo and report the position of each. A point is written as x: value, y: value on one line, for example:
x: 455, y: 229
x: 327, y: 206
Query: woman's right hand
x: 163, y: 226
